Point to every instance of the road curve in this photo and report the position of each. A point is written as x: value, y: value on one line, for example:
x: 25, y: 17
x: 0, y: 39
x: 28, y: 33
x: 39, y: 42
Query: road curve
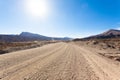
x: 58, y: 61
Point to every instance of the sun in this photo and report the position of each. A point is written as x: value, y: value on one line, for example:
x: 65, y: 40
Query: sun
x: 38, y: 8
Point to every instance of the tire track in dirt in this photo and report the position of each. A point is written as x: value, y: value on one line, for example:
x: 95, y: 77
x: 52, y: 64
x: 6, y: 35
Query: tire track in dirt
x: 69, y: 66
x: 50, y: 70
x: 9, y: 71
x: 103, y: 68
x: 60, y: 61
x: 14, y: 58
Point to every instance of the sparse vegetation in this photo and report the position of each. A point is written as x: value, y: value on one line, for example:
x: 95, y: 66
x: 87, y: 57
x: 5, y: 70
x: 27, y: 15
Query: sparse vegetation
x: 111, y: 47
x: 6, y: 47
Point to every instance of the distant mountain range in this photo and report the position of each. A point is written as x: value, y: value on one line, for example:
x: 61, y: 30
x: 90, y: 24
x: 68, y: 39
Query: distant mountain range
x: 27, y: 36
x: 112, y: 33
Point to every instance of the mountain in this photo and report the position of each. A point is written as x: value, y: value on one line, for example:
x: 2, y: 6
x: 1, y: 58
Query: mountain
x: 34, y: 36
x: 41, y: 37
x: 10, y: 38
x: 27, y: 36
x: 64, y: 38
x: 112, y: 33
x: 67, y: 38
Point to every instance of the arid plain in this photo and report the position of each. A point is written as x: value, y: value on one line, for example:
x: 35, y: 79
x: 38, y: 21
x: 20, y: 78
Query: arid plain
x: 59, y: 61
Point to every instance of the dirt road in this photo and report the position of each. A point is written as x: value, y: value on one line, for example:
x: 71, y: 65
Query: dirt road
x: 59, y: 61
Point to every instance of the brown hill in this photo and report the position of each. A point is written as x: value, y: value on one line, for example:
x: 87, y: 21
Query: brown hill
x: 112, y: 33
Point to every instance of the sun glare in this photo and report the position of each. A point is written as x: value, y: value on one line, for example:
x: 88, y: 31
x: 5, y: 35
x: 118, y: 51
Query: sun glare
x: 38, y: 8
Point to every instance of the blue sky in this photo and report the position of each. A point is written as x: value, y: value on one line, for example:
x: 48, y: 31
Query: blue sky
x: 59, y: 18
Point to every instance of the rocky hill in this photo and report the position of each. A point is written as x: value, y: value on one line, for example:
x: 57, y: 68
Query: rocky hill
x: 112, y: 33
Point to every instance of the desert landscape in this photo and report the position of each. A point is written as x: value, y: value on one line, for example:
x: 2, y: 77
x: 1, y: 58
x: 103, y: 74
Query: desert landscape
x: 59, y: 39
x: 91, y: 59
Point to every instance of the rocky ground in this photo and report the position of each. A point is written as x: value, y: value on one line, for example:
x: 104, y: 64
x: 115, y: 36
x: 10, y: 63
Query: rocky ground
x: 110, y: 47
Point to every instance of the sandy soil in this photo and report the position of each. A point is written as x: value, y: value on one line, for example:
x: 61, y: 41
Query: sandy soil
x: 58, y: 61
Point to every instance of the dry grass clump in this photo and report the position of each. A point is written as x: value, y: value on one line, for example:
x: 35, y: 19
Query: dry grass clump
x: 6, y: 47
